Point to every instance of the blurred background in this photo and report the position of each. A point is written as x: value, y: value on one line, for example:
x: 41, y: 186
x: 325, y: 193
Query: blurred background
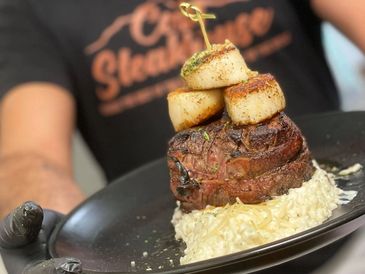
x: 348, y: 66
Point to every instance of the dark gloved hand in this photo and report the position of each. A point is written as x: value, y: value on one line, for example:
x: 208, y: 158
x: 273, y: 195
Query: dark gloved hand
x: 24, y: 234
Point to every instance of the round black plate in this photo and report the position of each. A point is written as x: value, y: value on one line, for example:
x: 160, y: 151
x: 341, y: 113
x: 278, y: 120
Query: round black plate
x: 129, y: 221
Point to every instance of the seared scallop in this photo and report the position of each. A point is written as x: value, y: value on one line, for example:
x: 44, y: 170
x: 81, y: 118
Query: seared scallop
x: 188, y: 108
x: 220, y: 66
x: 255, y: 100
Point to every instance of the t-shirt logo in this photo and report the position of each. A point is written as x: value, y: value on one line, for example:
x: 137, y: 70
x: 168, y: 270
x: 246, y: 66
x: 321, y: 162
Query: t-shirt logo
x: 137, y: 58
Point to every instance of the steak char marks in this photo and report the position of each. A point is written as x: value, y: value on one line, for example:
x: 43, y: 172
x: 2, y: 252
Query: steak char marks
x: 216, y: 163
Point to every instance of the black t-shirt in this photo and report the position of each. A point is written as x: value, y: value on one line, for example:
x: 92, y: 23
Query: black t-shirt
x: 119, y: 58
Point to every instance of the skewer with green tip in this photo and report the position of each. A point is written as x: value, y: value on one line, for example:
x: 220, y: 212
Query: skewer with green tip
x: 196, y: 15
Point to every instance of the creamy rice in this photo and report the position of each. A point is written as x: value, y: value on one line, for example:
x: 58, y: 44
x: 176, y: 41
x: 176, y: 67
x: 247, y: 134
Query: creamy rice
x: 217, y: 231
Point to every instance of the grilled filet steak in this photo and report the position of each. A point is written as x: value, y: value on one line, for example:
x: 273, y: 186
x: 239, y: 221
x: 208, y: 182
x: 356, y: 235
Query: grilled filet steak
x: 216, y: 163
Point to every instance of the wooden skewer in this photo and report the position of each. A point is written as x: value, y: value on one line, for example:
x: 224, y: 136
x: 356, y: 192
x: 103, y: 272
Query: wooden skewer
x: 196, y: 15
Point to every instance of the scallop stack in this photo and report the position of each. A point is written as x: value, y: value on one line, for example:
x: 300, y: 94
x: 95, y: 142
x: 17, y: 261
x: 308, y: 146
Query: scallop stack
x: 219, y: 78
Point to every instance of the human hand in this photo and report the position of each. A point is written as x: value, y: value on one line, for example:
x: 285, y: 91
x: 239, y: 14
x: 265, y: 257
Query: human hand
x: 24, y: 234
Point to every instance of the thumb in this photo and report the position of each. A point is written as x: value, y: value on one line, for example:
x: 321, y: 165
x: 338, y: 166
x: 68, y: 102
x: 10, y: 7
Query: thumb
x: 21, y: 226
x: 56, y: 266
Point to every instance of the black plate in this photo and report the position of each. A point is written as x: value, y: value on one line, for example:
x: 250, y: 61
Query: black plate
x: 132, y: 215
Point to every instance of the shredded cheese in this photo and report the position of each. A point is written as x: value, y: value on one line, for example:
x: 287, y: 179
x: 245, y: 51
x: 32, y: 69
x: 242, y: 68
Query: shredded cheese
x: 351, y: 170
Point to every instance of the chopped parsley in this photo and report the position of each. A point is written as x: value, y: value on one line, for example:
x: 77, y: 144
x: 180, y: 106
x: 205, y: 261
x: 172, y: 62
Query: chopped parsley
x: 200, y: 57
x: 206, y: 136
x: 215, y: 168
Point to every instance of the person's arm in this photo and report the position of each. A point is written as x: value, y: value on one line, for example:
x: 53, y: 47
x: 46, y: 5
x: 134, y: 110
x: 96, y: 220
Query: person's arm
x: 348, y: 16
x: 36, y: 125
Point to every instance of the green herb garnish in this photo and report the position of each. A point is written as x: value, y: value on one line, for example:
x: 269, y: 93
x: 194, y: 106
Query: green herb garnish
x: 206, y: 136
x: 215, y: 167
